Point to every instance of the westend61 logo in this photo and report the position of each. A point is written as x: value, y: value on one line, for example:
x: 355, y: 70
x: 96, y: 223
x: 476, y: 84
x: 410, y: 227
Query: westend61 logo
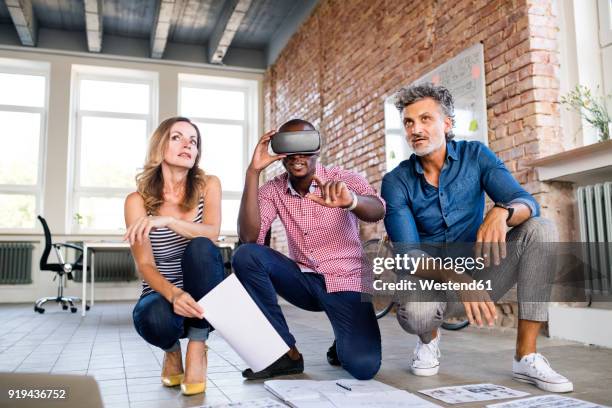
x: 409, y: 263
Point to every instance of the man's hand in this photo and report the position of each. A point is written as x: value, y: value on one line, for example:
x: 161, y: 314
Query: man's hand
x: 139, y: 230
x: 478, y: 304
x: 333, y: 194
x: 261, y: 157
x: 491, y: 237
x: 184, y: 305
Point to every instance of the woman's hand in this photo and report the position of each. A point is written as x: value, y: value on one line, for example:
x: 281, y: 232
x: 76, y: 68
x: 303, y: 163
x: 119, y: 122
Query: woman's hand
x: 184, y: 305
x: 139, y: 230
x: 261, y: 157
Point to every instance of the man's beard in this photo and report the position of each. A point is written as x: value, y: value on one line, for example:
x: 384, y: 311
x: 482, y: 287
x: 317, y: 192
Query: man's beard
x: 430, y: 148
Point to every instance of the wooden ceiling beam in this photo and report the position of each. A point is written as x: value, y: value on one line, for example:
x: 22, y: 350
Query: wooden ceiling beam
x: 226, y: 29
x: 161, y: 28
x: 22, y: 14
x: 93, y: 24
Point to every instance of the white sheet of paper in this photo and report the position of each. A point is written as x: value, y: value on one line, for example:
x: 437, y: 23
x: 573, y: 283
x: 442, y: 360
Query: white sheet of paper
x: 258, y: 403
x: 383, y: 399
x: 320, y: 401
x: 472, y: 392
x: 547, y: 401
x: 358, y: 387
x: 232, y: 312
x: 328, y: 394
x: 293, y: 390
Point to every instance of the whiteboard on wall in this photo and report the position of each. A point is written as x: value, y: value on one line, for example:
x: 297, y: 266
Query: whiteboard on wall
x: 463, y: 76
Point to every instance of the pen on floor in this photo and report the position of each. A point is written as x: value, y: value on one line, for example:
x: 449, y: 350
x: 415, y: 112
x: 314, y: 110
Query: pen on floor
x: 346, y: 387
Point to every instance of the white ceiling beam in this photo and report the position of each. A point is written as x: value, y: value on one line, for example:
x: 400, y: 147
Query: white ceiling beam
x: 224, y: 32
x: 93, y: 24
x: 22, y: 15
x: 161, y: 28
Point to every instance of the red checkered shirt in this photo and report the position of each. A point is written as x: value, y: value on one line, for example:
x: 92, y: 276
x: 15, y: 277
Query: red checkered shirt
x: 320, y: 239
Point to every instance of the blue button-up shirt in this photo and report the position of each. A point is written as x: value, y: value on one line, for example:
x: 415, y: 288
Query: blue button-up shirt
x: 452, y: 212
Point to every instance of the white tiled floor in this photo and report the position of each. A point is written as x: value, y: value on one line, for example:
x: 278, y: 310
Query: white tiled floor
x: 105, y: 345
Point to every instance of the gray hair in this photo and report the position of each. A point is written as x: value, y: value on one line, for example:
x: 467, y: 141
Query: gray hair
x: 408, y: 96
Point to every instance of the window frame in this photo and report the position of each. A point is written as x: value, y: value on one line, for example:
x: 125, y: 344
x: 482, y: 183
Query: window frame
x: 250, y: 123
x: 605, y: 22
x: 78, y: 191
x: 580, y: 24
x: 34, y: 68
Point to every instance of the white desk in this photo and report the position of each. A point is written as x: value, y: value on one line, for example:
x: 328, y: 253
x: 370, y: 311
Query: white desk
x: 93, y: 245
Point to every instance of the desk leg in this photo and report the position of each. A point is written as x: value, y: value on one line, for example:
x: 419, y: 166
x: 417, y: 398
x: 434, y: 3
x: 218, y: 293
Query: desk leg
x: 84, y: 296
x: 93, y: 274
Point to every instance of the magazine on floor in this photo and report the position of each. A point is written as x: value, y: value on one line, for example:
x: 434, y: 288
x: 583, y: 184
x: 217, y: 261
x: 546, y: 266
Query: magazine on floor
x: 547, y: 401
x: 472, y: 393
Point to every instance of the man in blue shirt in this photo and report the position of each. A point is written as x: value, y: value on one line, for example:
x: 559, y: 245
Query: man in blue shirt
x: 437, y: 197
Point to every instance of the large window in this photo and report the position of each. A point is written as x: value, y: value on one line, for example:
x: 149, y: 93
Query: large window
x: 585, y: 54
x: 114, y: 113
x: 23, y: 112
x: 225, y: 111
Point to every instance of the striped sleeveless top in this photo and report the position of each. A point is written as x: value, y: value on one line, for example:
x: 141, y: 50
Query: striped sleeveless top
x: 168, y: 248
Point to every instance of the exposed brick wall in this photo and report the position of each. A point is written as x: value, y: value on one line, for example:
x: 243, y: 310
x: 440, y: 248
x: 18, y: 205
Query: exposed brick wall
x: 337, y: 70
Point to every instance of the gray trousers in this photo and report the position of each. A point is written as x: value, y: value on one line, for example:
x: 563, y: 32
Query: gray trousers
x: 527, y: 264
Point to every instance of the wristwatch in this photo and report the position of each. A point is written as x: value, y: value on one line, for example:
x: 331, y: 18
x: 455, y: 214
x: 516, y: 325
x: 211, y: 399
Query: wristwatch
x: 506, y: 207
x: 354, y: 203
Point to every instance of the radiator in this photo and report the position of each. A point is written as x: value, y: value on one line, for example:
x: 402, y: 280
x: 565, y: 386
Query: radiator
x: 595, y: 221
x: 111, y: 266
x: 118, y: 265
x: 15, y: 263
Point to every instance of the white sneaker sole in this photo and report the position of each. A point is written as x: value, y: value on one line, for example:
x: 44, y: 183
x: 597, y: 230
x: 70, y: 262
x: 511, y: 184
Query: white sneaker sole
x: 425, y: 372
x: 543, y: 385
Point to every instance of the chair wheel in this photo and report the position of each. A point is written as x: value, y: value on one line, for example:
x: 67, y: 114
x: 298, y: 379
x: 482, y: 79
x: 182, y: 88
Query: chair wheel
x: 64, y: 307
x: 39, y: 309
x: 73, y: 309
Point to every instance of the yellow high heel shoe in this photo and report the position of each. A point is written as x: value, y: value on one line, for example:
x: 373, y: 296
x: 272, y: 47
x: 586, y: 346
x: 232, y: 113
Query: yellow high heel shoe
x: 197, y: 388
x: 171, y: 380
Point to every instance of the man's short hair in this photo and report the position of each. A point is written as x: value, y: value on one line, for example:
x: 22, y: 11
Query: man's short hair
x: 294, y: 122
x: 409, y: 95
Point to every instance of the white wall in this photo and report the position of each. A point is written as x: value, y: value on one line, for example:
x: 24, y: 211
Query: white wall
x: 58, y: 163
x: 586, y: 325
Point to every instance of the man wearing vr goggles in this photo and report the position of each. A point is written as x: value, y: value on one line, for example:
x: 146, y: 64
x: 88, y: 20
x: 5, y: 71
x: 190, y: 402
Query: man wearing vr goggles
x: 319, y: 208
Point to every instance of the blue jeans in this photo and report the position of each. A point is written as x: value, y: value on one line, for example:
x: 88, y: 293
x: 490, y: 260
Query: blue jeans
x: 154, y: 317
x: 265, y: 272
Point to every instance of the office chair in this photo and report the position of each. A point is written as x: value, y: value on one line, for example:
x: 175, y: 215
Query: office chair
x: 63, y: 270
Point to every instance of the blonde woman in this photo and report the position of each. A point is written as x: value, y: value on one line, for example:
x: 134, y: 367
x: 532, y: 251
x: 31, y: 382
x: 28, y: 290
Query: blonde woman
x: 172, y: 221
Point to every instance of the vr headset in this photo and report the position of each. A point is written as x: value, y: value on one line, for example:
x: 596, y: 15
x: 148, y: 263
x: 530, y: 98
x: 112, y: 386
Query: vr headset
x: 300, y: 142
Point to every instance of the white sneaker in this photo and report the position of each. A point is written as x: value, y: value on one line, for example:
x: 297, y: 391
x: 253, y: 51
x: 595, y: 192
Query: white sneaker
x: 425, y: 358
x: 535, y: 369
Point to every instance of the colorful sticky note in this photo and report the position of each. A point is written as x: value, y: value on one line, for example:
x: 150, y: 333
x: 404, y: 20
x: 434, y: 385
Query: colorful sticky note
x: 475, y: 71
x: 473, y: 125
